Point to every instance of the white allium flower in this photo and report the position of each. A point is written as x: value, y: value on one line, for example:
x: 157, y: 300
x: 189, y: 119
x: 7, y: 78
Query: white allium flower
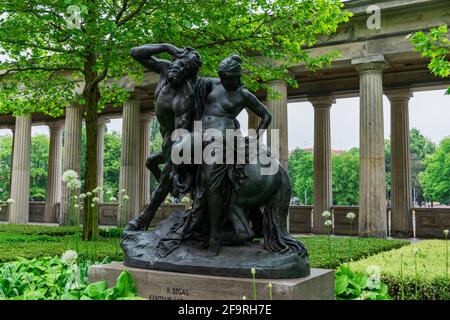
x: 93, y: 205
x: 69, y: 257
x: 83, y: 196
x: 350, y: 216
x: 97, y: 190
x: 373, y: 269
x: 109, y: 192
x: 270, y: 285
x: 113, y: 199
x: 69, y: 175
x: 244, y: 298
x: 125, y: 197
x: 76, y: 206
x: 373, y: 282
x: 123, y: 191
x: 1, y: 190
x: 74, y: 184
x: 89, y: 194
x: 328, y: 223
x: 326, y: 214
x: 253, y: 270
x: 95, y: 200
x: 10, y: 201
x: 446, y: 232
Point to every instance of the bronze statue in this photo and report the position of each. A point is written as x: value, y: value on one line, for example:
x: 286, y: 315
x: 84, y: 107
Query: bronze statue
x: 227, y: 197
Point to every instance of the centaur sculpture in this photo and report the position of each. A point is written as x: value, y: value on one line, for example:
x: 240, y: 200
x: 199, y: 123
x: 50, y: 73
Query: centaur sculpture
x: 233, y: 202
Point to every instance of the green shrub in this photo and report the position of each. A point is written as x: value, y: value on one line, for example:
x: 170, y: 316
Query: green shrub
x: 56, y: 278
x: 401, y: 278
x: 359, y: 286
x: 39, y: 230
x: 361, y: 248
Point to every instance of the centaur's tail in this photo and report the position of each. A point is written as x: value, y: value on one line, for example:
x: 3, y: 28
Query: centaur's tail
x: 276, y: 235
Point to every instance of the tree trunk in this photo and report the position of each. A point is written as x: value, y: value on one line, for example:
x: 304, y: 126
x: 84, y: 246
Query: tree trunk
x: 90, y: 221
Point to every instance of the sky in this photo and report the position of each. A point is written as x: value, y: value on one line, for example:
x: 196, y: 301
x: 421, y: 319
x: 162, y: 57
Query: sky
x: 429, y: 112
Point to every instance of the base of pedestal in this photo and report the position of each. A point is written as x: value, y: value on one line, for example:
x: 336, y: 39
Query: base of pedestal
x: 162, y: 285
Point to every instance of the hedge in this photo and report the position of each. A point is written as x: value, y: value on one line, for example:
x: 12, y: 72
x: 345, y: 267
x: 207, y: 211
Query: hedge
x: 431, y: 280
x: 30, y: 241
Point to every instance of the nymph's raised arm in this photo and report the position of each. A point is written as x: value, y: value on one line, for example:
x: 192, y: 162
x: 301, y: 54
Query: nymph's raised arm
x: 253, y: 104
x: 145, y: 55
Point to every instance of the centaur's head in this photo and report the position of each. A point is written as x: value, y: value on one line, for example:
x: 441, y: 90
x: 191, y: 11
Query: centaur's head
x: 185, y: 66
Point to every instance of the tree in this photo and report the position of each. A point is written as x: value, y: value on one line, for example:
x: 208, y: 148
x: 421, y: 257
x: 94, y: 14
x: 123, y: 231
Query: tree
x: 111, y: 164
x: 421, y: 147
x: 301, y: 174
x: 52, y: 57
x: 436, y: 177
x: 39, y: 167
x: 5, y: 165
x: 434, y: 45
x: 345, y: 169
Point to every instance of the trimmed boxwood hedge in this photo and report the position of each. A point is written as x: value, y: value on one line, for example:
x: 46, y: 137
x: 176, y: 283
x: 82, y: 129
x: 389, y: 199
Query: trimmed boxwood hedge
x: 431, y: 280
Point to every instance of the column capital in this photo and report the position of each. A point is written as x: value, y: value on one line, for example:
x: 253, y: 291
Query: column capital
x: 398, y: 94
x: 57, y: 124
x: 146, y: 116
x: 101, y: 121
x: 282, y: 82
x: 322, y: 101
x: 370, y: 63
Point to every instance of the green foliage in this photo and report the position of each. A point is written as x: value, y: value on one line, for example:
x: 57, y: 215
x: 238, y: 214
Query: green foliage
x: 356, y: 286
x: 345, y: 168
x: 398, y: 270
x: 111, y: 163
x: 5, y: 165
x: 436, y: 177
x: 48, y: 278
x: 39, y: 167
x: 421, y: 147
x: 361, y: 248
x: 301, y: 174
x: 434, y: 45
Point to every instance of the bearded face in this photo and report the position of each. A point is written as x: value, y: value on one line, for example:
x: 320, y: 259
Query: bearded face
x: 177, y: 73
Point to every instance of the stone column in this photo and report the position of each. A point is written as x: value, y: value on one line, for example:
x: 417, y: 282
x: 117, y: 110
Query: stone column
x: 72, y: 155
x: 372, y: 189
x: 401, y: 217
x: 253, y: 120
x: 101, y: 127
x: 13, y: 130
x: 278, y: 108
x: 54, y: 171
x: 322, y: 161
x: 129, y: 160
x: 144, y: 173
x: 20, y: 182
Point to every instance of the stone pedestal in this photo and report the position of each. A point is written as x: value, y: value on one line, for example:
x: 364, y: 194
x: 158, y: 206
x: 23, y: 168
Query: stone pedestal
x: 161, y: 285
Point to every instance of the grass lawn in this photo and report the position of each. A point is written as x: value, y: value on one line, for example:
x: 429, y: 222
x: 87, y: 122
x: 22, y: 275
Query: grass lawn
x: 29, y: 241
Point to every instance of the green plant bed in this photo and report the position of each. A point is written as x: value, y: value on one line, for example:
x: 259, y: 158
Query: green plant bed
x: 94, y: 250
x: 429, y: 283
x: 39, y: 230
x: 360, y: 248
